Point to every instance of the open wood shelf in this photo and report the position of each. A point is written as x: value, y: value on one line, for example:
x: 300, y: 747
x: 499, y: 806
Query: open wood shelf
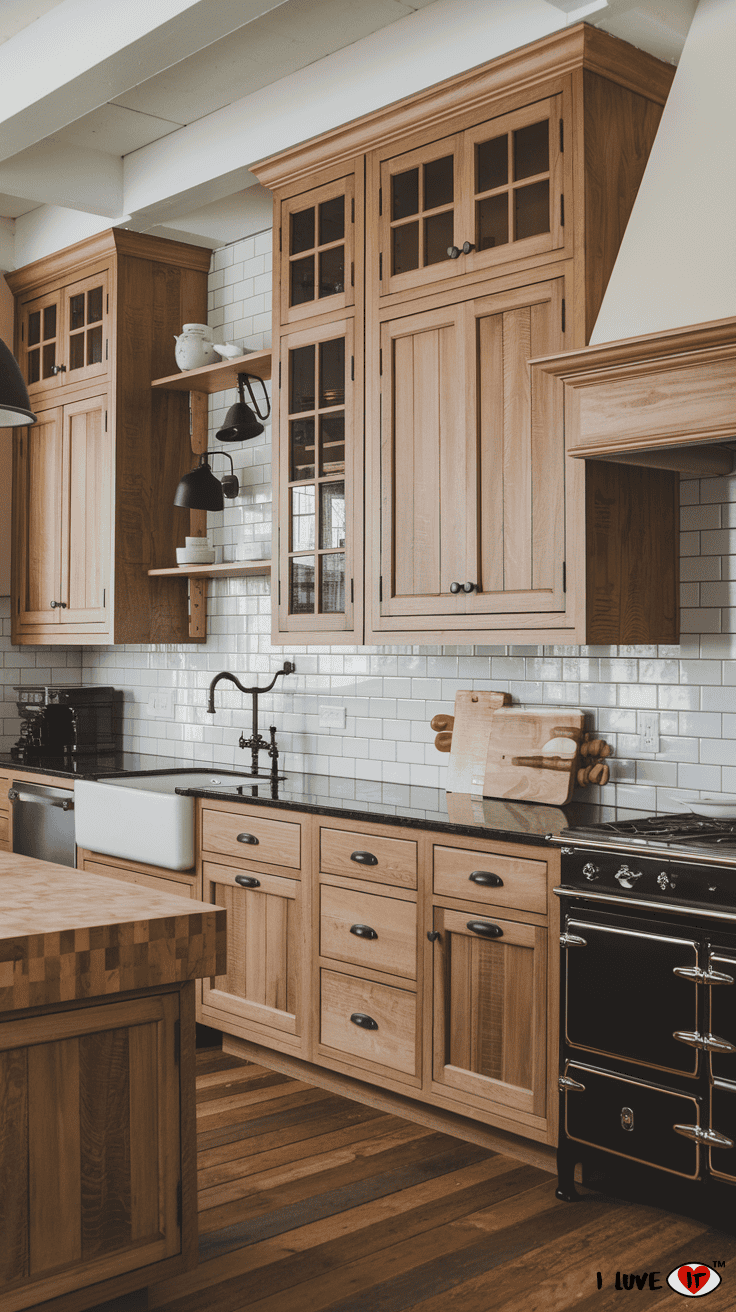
x: 228, y: 569
x: 217, y: 377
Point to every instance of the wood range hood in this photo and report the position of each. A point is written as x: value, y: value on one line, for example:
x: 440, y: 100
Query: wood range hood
x: 666, y: 400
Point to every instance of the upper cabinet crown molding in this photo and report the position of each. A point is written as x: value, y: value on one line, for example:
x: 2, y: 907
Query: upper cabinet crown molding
x: 665, y: 399
x: 73, y: 260
x: 474, y: 94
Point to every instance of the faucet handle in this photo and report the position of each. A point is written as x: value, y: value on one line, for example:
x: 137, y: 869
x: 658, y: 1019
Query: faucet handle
x: 289, y: 667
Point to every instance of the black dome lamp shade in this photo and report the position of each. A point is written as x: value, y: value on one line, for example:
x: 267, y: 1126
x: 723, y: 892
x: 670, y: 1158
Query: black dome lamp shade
x: 240, y: 422
x: 15, y: 405
x: 201, y: 490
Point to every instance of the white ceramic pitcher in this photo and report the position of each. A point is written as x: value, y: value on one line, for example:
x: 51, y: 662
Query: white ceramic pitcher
x: 194, y: 347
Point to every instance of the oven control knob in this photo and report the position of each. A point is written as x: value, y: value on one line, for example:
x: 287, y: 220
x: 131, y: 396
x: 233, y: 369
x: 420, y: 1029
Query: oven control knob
x: 590, y: 871
x: 664, y: 881
x: 626, y: 877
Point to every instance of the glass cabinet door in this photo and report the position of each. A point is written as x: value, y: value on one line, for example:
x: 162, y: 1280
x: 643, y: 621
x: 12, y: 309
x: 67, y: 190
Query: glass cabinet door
x: 317, y: 251
x: 86, y: 313
x: 316, y: 470
x: 40, y: 345
x: 418, y: 207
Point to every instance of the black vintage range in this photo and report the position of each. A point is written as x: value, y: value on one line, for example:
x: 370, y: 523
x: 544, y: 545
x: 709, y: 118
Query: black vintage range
x: 648, y: 1012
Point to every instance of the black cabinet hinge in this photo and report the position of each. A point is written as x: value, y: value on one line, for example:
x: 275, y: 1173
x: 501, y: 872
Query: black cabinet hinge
x: 279, y: 375
x: 352, y: 274
x: 177, y: 1041
x: 380, y: 267
x: 279, y: 592
x: 352, y: 590
x: 562, y: 211
x: 380, y: 361
x: 279, y: 239
x: 564, y: 576
x: 352, y: 368
x: 563, y: 314
x: 106, y: 340
x: 106, y: 421
x: 104, y: 597
x: 380, y: 588
x: 179, y: 1205
x: 22, y: 332
x: 352, y: 210
x: 562, y: 137
x: 380, y: 201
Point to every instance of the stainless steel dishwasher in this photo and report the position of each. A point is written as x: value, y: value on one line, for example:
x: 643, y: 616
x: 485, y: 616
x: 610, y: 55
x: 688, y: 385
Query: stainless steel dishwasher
x: 43, y: 822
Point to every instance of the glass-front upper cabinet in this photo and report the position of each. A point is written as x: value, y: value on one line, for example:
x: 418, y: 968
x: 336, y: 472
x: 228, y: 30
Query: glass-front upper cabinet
x: 317, y: 251
x: 316, y: 470
x: 491, y: 194
x: 64, y: 336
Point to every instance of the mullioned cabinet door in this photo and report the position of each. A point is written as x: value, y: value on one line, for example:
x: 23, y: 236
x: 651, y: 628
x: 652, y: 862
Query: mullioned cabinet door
x: 316, y: 251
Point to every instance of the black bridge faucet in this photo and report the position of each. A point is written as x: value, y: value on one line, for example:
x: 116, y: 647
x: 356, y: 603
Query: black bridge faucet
x: 255, y: 742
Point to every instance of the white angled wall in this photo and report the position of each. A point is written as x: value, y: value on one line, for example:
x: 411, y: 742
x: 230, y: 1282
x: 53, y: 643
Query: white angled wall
x: 391, y: 693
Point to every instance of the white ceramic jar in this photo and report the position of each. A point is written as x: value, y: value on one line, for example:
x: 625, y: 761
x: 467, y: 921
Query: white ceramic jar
x: 194, y: 346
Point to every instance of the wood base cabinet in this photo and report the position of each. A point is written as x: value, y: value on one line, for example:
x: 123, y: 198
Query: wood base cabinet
x: 91, y: 1104
x: 489, y: 210
x: 407, y: 960
x: 94, y: 479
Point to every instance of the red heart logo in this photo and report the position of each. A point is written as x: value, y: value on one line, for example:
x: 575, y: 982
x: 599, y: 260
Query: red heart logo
x: 693, y: 1277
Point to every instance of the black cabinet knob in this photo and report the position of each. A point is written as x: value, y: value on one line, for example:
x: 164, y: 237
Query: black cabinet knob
x: 363, y: 1022
x: 247, y: 881
x: 454, y: 252
x: 454, y: 587
x: 469, y: 587
x: 468, y: 247
x: 363, y: 931
x: 364, y: 858
x: 58, y: 369
x: 433, y: 935
x: 485, y: 879
x: 485, y: 928
x: 247, y: 838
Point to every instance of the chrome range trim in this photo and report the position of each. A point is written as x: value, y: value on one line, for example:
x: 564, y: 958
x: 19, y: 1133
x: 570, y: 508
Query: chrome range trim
x: 663, y: 907
x: 617, y: 846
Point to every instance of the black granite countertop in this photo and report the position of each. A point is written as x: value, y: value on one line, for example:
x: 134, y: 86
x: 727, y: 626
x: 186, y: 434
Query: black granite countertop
x: 354, y: 799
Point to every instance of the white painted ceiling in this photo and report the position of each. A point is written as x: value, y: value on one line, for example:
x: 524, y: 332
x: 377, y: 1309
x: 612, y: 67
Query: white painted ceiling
x: 82, y: 139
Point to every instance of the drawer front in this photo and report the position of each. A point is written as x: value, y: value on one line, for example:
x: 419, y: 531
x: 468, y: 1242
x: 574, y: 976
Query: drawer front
x: 368, y: 929
x: 391, y: 1038
x: 474, y: 876
x: 275, y: 842
x: 4, y: 829
x: 366, y: 856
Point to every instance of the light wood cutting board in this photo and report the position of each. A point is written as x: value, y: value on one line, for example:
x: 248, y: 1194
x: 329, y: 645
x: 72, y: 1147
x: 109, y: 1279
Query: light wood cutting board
x: 520, y: 762
x: 469, y: 749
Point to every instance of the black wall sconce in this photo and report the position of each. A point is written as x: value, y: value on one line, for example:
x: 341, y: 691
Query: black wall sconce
x: 240, y: 422
x: 201, y: 490
x: 15, y: 405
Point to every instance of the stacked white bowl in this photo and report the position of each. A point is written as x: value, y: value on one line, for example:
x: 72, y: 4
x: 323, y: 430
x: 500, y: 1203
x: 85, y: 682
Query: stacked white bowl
x: 197, y: 551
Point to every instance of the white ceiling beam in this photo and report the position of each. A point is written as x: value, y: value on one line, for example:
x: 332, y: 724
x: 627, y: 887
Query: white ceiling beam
x: 57, y: 174
x: 77, y: 57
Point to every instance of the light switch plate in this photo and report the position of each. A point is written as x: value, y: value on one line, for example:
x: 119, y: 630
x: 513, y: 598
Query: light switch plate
x: 332, y: 717
x: 161, y: 704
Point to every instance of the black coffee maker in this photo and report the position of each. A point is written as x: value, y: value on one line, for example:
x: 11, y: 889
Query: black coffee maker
x: 60, y: 722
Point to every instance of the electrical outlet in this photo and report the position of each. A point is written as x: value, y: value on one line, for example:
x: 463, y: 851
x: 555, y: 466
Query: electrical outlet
x: 161, y: 704
x: 647, y: 725
x: 332, y: 717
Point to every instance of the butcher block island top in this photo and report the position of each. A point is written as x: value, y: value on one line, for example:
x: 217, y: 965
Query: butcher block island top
x: 66, y: 935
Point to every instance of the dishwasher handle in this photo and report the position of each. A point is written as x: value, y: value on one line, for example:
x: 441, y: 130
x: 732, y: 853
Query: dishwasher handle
x: 16, y: 795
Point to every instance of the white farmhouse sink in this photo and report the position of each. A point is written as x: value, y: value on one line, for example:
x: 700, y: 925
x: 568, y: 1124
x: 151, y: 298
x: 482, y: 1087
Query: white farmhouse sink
x: 142, y: 818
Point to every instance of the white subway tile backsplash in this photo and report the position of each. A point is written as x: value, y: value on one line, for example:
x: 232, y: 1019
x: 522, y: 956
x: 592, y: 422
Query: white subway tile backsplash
x: 390, y: 693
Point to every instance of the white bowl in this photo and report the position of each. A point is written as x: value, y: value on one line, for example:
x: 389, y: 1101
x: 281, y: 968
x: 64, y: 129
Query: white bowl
x: 716, y: 808
x: 195, y: 555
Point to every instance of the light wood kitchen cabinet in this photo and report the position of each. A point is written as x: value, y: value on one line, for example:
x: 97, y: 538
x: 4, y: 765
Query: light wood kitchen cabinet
x: 94, y: 480
x: 493, y: 207
x: 317, y: 250
x: 91, y: 1110
x: 180, y: 882
x: 364, y: 963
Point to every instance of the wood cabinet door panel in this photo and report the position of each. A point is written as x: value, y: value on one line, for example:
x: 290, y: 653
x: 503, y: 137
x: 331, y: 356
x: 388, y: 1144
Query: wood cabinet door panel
x: 41, y: 342
x: 264, y: 948
x: 419, y: 201
x: 472, y: 461
x: 38, y: 510
x: 95, y: 1136
x: 317, y: 245
x: 85, y: 318
x: 86, y: 512
x: 490, y: 1010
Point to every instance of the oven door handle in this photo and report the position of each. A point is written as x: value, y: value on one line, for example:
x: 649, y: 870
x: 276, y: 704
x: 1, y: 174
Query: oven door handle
x: 573, y: 941
x: 702, y: 976
x: 708, y: 1042
x: 708, y: 1138
x: 565, y: 1085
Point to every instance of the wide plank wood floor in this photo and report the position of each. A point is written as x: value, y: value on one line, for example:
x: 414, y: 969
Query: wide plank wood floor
x: 312, y: 1203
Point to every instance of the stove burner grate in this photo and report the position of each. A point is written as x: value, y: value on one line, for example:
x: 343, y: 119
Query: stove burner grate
x: 670, y: 829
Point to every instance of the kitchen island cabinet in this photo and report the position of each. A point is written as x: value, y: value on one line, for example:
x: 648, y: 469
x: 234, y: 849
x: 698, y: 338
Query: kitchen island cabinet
x: 97, y: 1154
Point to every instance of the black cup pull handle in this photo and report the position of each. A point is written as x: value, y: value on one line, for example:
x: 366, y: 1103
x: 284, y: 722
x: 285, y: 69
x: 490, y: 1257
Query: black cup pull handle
x: 247, y: 881
x: 485, y: 928
x: 363, y: 931
x: 247, y: 838
x: 364, y: 858
x: 363, y: 1022
x: 485, y: 879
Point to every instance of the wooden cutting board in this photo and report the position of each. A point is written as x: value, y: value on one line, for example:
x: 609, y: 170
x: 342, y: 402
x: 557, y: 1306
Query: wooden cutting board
x: 532, y: 754
x: 469, y: 749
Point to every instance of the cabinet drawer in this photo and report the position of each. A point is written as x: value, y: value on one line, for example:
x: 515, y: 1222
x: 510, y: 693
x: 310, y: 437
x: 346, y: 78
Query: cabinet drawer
x: 523, y: 883
x: 4, y: 828
x: 366, y: 856
x: 390, y: 1041
x: 274, y: 842
x: 388, y: 930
